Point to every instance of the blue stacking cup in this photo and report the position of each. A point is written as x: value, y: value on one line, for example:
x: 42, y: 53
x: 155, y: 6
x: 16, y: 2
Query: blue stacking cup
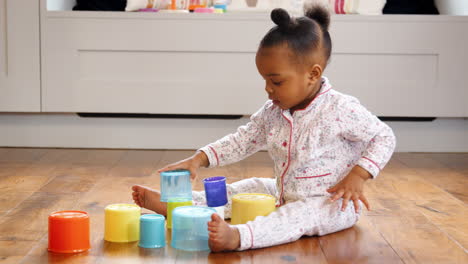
x: 215, y: 191
x: 190, y: 227
x: 152, y: 231
x: 175, y: 184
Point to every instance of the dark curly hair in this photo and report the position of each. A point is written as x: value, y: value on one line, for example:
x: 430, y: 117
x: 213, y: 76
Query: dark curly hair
x: 303, y: 35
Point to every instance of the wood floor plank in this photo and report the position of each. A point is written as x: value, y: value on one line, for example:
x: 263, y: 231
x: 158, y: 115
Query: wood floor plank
x: 96, y: 157
x: 28, y: 221
x: 10, y: 200
x: 443, y: 209
x: 418, y: 205
x: 13, y: 249
x: 360, y: 244
x: 76, y: 178
x: 20, y: 182
x: 10, y: 259
x: 4, y: 152
x: 86, y: 167
x: 451, y: 180
x: 305, y: 250
x: 17, y: 182
x: 39, y: 254
x: 419, y: 201
x: 104, y: 192
x: 457, y: 161
x: 24, y: 227
x: 137, y: 163
x: 171, y: 156
x: 416, y: 240
x: 22, y: 155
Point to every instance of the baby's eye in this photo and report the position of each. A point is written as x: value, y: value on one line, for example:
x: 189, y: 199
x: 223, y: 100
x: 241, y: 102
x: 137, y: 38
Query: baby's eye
x: 277, y: 83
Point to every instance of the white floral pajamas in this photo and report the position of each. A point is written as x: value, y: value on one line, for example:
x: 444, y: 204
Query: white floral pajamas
x: 312, y: 149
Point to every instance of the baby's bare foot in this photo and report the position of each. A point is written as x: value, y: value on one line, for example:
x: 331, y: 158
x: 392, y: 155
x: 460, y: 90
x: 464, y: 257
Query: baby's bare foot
x: 222, y: 236
x: 149, y: 198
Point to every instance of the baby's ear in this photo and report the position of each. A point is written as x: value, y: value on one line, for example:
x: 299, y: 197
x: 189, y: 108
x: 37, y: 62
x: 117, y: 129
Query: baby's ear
x: 315, y: 73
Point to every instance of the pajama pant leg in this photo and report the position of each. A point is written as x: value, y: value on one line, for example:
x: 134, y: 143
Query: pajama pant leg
x: 312, y: 216
x: 250, y: 185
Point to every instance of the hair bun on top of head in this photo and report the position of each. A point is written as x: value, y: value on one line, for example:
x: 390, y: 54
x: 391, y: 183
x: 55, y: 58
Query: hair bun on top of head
x: 281, y: 18
x: 320, y: 14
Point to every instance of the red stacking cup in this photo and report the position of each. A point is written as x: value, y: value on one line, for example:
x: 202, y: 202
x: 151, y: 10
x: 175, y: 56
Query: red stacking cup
x: 69, y: 232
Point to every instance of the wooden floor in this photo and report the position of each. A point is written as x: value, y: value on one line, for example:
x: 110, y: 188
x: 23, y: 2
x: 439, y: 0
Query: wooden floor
x: 420, y: 212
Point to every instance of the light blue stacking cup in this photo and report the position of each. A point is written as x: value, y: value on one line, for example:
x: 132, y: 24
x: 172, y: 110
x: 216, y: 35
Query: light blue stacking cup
x: 190, y: 227
x: 175, y: 184
x: 152, y: 231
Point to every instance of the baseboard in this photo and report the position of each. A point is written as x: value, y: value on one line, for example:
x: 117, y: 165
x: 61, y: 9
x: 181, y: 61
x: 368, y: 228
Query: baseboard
x: 72, y: 131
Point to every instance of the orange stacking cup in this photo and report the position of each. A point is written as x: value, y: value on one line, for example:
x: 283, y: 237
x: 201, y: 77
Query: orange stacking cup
x: 69, y: 232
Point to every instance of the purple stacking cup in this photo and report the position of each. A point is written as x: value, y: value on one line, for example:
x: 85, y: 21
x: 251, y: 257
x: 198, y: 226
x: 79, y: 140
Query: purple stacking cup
x: 215, y: 191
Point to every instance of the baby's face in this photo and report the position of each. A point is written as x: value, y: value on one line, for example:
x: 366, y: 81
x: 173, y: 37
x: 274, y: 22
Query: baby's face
x: 287, y: 82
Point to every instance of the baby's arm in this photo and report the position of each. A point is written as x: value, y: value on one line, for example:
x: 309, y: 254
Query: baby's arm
x: 359, y: 125
x: 247, y: 140
x: 234, y: 147
x: 197, y: 160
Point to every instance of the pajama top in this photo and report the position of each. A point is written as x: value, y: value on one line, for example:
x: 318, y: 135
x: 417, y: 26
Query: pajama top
x: 312, y: 149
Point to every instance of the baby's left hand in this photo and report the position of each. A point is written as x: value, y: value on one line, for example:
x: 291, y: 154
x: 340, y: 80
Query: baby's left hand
x: 351, y: 188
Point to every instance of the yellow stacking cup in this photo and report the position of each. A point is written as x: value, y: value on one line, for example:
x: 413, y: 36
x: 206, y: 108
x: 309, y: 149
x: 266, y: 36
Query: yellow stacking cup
x: 247, y: 206
x: 122, y: 223
x: 173, y: 203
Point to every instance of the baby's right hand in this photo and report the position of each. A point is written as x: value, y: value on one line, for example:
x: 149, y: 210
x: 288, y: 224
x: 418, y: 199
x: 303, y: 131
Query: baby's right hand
x: 199, y: 159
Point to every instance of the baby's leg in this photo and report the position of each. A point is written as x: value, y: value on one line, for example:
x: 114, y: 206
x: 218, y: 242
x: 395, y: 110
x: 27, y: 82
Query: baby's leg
x: 149, y: 198
x: 314, y: 216
x: 250, y: 185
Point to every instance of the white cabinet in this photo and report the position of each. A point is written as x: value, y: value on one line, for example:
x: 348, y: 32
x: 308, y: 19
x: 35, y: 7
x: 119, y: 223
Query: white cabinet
x: 204, y: 63
x: 151, y: 63
x: 19, y: 56
x: 403, y: 65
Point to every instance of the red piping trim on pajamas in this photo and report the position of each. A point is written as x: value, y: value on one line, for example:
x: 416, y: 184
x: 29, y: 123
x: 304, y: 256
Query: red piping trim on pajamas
x: 251, y: 236
x: 216, y: 155
x: 289, y: 160
x: 313, y: 176
x: 289, y: 149
x: 313, y: 100
x: 372, y: 162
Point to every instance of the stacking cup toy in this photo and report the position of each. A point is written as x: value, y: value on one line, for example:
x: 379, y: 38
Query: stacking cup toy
x: 215, y: 191
x: 190, y: 227
x: 175, y: 184
x: 69, y: 232
x: 152, y: 231
x: 247, y: 206
x: 122, y: 223
x: 174, y: 203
